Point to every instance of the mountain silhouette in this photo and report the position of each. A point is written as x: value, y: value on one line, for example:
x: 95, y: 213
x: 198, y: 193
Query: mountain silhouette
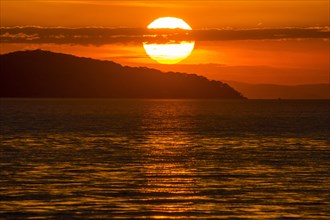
x: 44, y: 74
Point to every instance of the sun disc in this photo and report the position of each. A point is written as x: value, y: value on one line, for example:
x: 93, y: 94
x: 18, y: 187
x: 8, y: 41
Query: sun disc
x: 169, y: 22
x: 171, y: 51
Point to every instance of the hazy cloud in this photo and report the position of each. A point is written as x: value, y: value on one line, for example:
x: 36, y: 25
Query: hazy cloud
x: 101, y: 35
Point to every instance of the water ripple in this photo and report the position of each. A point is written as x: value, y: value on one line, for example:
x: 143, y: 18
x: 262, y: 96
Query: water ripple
x: 173, y: 159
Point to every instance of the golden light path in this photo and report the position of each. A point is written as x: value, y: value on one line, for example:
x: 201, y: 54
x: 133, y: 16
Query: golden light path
x: 171, y: 52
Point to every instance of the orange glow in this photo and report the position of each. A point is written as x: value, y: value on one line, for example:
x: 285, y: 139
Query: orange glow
x: 202, y: 14
x: 289, y: 61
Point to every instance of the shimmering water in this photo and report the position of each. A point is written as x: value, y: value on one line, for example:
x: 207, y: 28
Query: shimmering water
x: 193, y: 159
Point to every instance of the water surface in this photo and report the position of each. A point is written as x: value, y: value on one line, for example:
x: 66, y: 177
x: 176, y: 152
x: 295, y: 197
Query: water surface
x: 185, y: 159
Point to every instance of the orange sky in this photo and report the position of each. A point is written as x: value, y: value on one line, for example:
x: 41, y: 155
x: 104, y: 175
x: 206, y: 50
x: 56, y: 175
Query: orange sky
x: 199, y: 14
x: 296, y: 58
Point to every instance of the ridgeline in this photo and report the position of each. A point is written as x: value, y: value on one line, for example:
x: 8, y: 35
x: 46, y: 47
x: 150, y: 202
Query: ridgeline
x: 44, y: 74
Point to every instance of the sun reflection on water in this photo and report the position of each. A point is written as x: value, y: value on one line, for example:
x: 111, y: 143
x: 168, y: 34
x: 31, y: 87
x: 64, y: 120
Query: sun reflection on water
x: 169, y: 171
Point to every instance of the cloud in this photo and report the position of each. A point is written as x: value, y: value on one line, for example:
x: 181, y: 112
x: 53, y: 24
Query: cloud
x: 61, y: 35
x: 22, y: 36
x: 102, y: 35
x: 262, y: 33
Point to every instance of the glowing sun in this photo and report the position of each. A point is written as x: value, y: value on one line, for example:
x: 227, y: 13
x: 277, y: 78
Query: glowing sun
x: 169, y: 44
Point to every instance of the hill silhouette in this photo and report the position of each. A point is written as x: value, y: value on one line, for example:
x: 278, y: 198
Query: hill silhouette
x: 44, y: 74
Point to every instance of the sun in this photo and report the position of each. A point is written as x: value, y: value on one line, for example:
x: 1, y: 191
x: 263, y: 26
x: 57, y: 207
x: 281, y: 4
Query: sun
x: 169, y: 47
x: 169, y: 22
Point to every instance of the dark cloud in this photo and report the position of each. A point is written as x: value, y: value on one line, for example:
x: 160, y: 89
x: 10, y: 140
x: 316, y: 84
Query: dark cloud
x: 95, y: 36
x: 262, y: 34
x: 100, y: 35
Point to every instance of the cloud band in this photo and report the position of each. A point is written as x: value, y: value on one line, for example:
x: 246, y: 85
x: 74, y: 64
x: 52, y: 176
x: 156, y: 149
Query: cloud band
x: 101, y: 36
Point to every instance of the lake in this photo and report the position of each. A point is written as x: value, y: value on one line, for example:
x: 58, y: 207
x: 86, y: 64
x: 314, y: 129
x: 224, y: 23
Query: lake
x: 179, y: 159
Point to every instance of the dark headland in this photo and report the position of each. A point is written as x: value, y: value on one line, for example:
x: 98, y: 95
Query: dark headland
x: 44, y: 74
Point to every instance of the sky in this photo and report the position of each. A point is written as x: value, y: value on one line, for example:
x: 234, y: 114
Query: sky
x: 275, y: 41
